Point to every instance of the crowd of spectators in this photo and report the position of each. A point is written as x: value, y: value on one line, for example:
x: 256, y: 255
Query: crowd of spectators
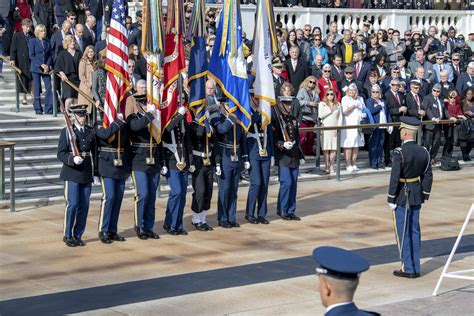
x: 337, y: 78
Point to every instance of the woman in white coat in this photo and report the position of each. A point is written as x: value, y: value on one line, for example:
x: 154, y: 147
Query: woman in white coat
x: 329, y: 111
x: 351, y: 139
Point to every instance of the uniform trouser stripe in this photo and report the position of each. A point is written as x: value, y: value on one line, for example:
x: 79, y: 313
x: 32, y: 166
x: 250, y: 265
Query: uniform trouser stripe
x: 135, y: 197
x: 66, y: 207
x: 103, y: 202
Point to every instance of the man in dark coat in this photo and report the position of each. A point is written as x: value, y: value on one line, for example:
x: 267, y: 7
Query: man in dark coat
x: 297, y: 68
x: 96, y: 8
x: 19, y: 56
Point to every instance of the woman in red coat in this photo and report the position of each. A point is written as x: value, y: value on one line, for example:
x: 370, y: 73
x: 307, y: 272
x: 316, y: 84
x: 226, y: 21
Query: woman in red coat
x: 25, y: 13
x: 453, y: 106
x: 325, y: 83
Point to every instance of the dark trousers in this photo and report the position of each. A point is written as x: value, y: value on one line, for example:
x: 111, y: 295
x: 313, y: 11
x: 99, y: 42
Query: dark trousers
x: 258, y: 190
x: 448, y: 141
x: 77, y: 197
x: 433, y: 140
x: 48, y: 107
x: 112, y: 196
x: 376, y: 141
x: 202, y: 181
x: 466, y: 148
x: 408, y: 236
x: 145, y: 185
x: 391, y: 141
x: 288, y: 178
x: 178, y: 182
x: 228, y: 188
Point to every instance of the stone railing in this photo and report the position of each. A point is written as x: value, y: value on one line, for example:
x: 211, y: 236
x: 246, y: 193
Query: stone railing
x: 402, y: 20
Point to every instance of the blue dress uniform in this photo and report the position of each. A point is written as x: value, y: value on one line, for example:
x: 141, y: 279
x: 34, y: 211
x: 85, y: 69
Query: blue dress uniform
x: 340, y: 264
x: 203, y: 177
x: 260, y: 151
x: 178, y: 154
x: 147, y: 158
x: 410, y: 185
x: 232, y: 146
x: 287, y: 160
x: 114, y: 169
x: 78, y: 178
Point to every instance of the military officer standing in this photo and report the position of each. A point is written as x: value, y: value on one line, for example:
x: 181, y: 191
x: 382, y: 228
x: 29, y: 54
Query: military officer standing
x: 260, y: 151
x: 410, y: 185
x: 76, y: 143
x: 204, y: 153
x: 147, y: 157
x: 178, y: 154
x: 114, y: 169
x: 288, y: 156
x: 232, y: 144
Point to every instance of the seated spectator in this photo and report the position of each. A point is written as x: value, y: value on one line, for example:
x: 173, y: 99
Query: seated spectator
x: 467, y: 104
x: 308, y: 97
x: 351, y: 139
x: 325, y: 83
x: 329, y: 111
x: 67, y: 65
x: 86, y: 69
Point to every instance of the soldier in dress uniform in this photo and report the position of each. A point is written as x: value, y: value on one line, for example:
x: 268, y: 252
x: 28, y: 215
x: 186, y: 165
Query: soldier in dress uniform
x: 232, y: 145
x: 204, y: 159
x: 288, y: 156
x: 410, y: 185
x: 260, y: 150
x: 77, y: 173
x: 147, y: 158
x: 114, y: 169
x: 178, y: 155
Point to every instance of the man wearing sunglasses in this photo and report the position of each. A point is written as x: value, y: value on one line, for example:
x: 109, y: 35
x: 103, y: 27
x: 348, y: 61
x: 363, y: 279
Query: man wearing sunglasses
x: 457, y: 66
x: 440, y: 65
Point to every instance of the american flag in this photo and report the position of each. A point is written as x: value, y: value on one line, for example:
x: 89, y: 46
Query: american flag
x: 116, y: 63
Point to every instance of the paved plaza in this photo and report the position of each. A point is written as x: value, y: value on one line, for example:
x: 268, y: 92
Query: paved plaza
x: 251, y: 270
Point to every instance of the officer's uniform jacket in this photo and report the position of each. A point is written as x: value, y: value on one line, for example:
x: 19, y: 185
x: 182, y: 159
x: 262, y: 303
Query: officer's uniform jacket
x: 82, y: 173
x: 140, y: 143
x: 411, y: 167
x: 252, y: 143
x: 283, y: 157
x: 225, y: 136
x: 108, y: 148
x: 179, y: 126
x: 197, y: 136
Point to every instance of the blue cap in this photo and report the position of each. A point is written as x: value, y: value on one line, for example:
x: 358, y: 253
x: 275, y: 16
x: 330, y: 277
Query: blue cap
x: 410, y: 122
x: 339, y: 263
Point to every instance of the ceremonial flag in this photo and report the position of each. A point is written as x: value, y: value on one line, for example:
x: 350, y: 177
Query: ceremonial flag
x: 152, y: 46
x: 228, y: 66
x: 197, y: 69
x: 116, y: 63
x: 173, y: 60
x: 265, y: 45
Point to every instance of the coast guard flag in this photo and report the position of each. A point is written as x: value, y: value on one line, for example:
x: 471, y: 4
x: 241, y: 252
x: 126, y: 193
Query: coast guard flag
x: 264, y: 46
x: 228, y: 66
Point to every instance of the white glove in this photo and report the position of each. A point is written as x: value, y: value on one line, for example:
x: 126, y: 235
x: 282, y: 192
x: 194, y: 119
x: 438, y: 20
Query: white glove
x: 78, y: 160
x: 218, y: 170
x: 192, y: 168
x: 182, y: 110
x: 392, y: 206
x: 272, y: 161
x: 150, y: 108
x: 207, y: 114
x: 164, y: 171
x: 247, y: 165
x: 96, y: 180
x: 120, y: 116
x: 288, y: 145
x: 363, y: 115
x: 302, y: 161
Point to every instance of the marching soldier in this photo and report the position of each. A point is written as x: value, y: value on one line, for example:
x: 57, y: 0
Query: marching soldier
x: 114, y: 169
x: 260, y: 151
x: 178, y: 154
x: 76, y: 142
x: 147, y: 157
x: 202, y: 140
x: 410, y: 185
x: 288, y: 156
x: 232, y: 144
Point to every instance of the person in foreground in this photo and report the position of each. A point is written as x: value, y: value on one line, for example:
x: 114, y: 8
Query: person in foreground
x: 339, y: 271
x: 410, y: 185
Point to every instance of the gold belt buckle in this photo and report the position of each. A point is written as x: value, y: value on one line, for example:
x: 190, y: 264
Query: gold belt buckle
x: 181, y: 165
x: 206, y: 161
x: 117, y: 162
x: 234, y: 158
x: 263, y: 152
x: 150, y: 161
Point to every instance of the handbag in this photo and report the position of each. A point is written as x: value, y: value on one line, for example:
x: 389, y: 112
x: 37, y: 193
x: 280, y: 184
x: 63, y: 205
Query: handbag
x: 449, y: 163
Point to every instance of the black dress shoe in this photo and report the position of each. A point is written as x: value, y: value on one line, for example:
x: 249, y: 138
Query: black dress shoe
x: 225, y: 224
x: 151, y: 234
x: 141, y: 233
x: 116, y: 237
x: 263, y: 220
x: 80, y: 242
x: 293, y: 217
x: 208, y: 228
x: 251, y: 219
x: 284, y: 216
x: 69, y: 241
x: 182, y: 232
x: 200, y: 226
x: 104, y: 237
x: 234, y: 224
x: 400, y: 273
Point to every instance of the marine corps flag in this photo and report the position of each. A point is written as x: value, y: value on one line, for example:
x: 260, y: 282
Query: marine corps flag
x: 173, y: 60
x: 228, y: 66
x: 265, y: 45
x: 152, y: 46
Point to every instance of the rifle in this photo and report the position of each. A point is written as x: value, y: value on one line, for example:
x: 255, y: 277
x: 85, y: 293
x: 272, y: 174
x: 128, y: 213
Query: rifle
x: 286, y: 136
x: 75, y: 150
